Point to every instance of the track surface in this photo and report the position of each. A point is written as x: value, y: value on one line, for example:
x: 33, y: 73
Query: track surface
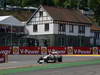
x: 23, y: 60
x: 81, y: 70
x: 26, y: 60
x: 33, y: 59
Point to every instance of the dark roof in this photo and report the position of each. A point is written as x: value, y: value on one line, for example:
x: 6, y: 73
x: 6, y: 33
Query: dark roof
x: 21, y: 15
x: 66, y: 14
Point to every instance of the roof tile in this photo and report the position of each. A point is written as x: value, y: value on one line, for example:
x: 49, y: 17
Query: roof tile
x: 66, y: 14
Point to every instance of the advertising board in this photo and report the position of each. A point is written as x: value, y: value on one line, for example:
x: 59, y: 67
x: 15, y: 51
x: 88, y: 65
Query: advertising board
x: 2, y: 58
x: 59, y: 50
x: 6, y: 50
x: 82, y: 50
x: 29, y: 50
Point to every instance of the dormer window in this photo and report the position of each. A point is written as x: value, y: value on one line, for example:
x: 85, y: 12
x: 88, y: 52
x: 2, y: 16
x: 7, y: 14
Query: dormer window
x: 40, y: 13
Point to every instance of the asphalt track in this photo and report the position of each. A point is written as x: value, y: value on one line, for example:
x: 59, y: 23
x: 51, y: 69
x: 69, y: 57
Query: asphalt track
x: 22, y: 60
x: 27, y: 60
x: 31, y: 59
x: 80, y: 70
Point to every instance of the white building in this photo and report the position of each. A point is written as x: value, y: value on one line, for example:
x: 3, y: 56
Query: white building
x: 53, y: 26
x: 95, y: 33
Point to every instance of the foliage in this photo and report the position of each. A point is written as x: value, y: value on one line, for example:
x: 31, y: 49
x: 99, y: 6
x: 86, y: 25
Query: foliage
x: 83, y: 4
x: 95, y: 6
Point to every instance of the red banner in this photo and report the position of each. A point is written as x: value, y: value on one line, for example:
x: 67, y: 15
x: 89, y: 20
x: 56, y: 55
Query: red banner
x: 29, y: 50
x: 82, y: 50
x: 98, y: 50
x: 2, y: 58
x: 5, y: 50
x: 60, y: 50
x: 45, y: 50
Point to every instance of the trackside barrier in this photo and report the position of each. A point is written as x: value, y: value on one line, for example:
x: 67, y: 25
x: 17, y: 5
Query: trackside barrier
x: 29, y: 50
x: 2, y: 58
x: 70, y: 50
x: 60, y: 50
x: 95, y: 50
x: 6, y: 50
x: 15, y: 50
x: 45, y: 50
x: 98, y: 50
x: 82, y: 50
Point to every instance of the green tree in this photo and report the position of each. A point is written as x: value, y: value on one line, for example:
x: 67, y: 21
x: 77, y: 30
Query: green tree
x: 74, y: 3
x: 3, y: 4
x: 48, y: 2
x: 71, y: 3
x: 66, y: 4
x: 56, y: 2
x: 95, y: 6
x: 83, y: 4
x: 97, y: 13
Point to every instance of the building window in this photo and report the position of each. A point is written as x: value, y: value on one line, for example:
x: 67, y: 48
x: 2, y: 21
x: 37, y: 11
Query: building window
x: 62, y: 27
x: 71, y: 28
x: 40, y: 13
x: 35, y: 28
x: 96, y: 35
x: 47, y: 27
x: 81, y: 29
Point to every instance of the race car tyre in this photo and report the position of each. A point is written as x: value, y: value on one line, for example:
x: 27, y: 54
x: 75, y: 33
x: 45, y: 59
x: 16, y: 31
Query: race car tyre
x: 60, y: 59
x: 46, y: 60
x: 40, y: 60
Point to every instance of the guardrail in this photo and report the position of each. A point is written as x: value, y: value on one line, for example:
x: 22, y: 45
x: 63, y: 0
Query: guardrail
x: 45, y: 50
x: 7, y: 50
x: 2, y: 58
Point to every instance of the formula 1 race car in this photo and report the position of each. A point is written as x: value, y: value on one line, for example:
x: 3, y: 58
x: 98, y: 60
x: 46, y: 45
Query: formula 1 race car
x: 50, y: 58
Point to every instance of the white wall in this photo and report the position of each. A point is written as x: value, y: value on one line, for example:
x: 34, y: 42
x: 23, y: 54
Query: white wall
x: 75, y: 32
x: 40, y: 21
x: 55, y: 28
x: 40, y: 31
x: 97, y: 40
x: 88, y: 32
